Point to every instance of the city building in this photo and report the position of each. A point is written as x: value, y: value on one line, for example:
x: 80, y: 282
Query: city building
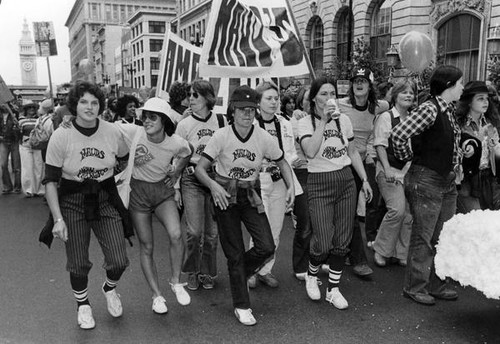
x: 146, y: 42
x: 192, y: 18
x: 87, y: 17
x: 463, y: 32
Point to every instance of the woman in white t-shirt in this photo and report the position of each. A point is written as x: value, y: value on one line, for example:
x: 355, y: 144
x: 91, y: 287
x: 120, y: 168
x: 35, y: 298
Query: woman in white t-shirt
x: 326, y: 137
x: 238, y: 151
x: 152, y: 191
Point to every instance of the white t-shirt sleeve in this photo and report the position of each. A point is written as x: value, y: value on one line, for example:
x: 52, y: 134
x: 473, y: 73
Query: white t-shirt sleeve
x: 304, y: 128
x: 214, y: 145
x: 382, y: 130
x: 56, y: 149
x: 272, y: 148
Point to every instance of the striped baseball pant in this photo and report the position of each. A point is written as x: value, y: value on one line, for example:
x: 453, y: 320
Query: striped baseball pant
x: 332, y: 205
x: 108, y: 231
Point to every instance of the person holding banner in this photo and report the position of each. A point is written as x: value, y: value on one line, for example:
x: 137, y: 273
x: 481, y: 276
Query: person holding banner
x: 201, y: 231
x: 326, y: 136
x: 152, y: 191
x: 272, y: 185
x: 238, y: 151
x: 82, y: 197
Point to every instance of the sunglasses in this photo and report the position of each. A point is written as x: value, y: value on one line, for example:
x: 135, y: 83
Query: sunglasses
x: 149, y: 115
x: 194, y: 94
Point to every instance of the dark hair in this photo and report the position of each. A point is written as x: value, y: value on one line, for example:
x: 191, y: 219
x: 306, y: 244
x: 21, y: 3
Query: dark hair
x: 205, y: 89
x: 383, y: 88
x: 111, y: 106
x: 178, y: 92
x: 4, y: 108
x: 166, y: 122
x: 81, y: 87
x: 300, y: 97
x: 442, y: 78
x: 315, y: 87
x: 372, y: 97
x: 400, y: 86
x: 121, y: 105
x: 464, y: 106
x: 285, y: 100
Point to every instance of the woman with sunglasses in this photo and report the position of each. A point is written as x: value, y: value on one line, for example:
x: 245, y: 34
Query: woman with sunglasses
x: 272, y: 185
x: 201, y: 262
x: 238, y: 151
x: 153, y: 178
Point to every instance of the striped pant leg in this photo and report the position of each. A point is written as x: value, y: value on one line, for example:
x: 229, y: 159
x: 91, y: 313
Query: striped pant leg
x: 344, y: 210
x: 321, y: 202
x: 77, y: 245
x: 109, y: 233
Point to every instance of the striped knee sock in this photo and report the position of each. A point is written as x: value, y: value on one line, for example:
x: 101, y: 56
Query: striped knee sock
x: 79, y: 286
x: 109, y: 285
x: 313, y: 269
x: 333, y: 278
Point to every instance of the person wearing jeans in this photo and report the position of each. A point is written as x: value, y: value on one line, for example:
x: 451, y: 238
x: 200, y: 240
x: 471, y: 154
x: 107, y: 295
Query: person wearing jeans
x: 9, y: 145
x: 238, y: 151
x: 430, y: 182
x: 201, y: 228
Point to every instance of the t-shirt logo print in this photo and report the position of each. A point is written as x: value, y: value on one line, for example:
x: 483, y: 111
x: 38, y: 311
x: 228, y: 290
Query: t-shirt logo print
x: 142, y: 155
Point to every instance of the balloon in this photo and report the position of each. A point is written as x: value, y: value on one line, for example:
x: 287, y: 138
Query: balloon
x: 415, y: 51
x: 86, y: 66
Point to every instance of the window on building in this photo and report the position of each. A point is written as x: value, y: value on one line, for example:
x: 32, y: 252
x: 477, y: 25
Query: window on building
x: 142, y: 64
x: 143, y: 81
x: 140, y: 28
x: 134, y: 51
x: 130, y: 10
x: 94, y: 11
x: 154, y: 80
x: 156, y: 26
x: 154, y: 62
x: 316, y: 43
x: 155, y: 45
x: 116, y: 13
x: 380, y: 39
x: 142, y: 46
x: 344, y: 34
x: 123, y: 14
x: 458, y: 44
x: 107, y: 8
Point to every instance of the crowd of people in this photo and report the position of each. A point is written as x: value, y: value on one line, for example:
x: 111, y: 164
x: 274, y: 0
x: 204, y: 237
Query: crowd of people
x: 375, y: 156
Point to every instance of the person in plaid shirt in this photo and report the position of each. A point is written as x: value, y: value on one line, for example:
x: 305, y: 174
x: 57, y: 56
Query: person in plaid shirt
x: 430, y: 181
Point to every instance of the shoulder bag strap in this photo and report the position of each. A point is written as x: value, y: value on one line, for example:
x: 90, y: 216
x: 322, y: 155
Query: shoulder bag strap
x: 131, y: 156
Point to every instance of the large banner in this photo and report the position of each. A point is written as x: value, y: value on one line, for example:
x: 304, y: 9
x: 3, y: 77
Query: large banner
x: 45, y: 38
x: 180, y: 61
x: 252, y: 39
x: 5, y: 93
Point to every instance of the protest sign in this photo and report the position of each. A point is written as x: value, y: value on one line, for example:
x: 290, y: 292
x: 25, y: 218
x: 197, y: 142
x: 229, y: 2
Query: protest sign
x: 252, y: 38
x: 45, y: 39
x: 180, y: 61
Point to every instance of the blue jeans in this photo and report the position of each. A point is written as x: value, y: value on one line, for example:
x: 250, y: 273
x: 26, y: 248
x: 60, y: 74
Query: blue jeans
x: 241, y: 265
x: 11, y: 148
x: 201, y: 229
x: 433, y: 201
x: 303, y: 232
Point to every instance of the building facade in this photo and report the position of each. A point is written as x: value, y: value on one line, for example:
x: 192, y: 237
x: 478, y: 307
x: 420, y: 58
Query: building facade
x: 87, y: 17
x: 146, y: 42
x: 460, y: 30
x: 191, y: 20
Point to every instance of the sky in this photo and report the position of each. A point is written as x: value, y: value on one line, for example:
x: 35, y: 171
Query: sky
x: 12, y: 14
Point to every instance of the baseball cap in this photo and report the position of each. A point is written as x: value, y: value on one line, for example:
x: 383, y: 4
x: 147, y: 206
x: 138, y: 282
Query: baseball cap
x: 244, y: 96
x: 362, y: 72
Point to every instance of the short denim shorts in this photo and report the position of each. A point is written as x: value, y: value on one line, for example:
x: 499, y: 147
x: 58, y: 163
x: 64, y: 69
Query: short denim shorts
x: 145, y: 197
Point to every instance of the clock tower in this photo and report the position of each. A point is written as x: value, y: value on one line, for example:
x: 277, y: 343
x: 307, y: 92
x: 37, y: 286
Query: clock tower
x: 27, y: 55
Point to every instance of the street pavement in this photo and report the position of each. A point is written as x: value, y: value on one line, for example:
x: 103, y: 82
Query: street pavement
x: 37, y: 305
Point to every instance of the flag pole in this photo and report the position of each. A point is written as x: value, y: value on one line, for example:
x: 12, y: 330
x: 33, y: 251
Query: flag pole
x: 306, y: 55
x: 50, y: 78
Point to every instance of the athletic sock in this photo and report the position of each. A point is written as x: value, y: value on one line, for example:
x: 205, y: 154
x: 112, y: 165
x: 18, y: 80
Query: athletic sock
x: 79, y: 286
x: 336, y: 265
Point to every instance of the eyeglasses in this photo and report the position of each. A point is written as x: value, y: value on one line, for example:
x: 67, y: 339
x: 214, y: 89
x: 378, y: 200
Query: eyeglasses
x: 153, y: 117
x: 194, y: 94
x: 359, y: 81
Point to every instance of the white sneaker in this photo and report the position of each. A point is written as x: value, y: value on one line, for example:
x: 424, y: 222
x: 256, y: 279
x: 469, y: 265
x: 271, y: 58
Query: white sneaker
x: 301, y: 276
x: 180, y: 293
x: 312, y: 287
x: 245, y: 316
x: 114, y: 303
x: 85, y: 317
x: 325, y: 268
x: 159, y: 305
x: 336, y: 298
